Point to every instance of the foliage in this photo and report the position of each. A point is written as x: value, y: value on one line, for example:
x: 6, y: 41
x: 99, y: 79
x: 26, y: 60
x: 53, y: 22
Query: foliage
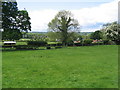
x: 54, y: 44
x: 13, y: 34
x: 14, y: 21
x: 48, y: 47
x: 75, y: 37
x: 72, y: 67
x: 65, y: 24
x: 23, y: 20
x: 87, y: 42
x: 36, y: 36
x: 105, y: 41
x: 9, y: 10
x: 112, y: 31
x: 37, y: 43
x: 26, y: 47
x: 54, y: 36
x: 96, y: 35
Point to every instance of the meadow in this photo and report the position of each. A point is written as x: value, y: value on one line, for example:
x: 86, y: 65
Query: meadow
x: 70, y: 67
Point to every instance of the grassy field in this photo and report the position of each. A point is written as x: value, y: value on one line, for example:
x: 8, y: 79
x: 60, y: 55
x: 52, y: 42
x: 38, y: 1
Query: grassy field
x: 72, y: 67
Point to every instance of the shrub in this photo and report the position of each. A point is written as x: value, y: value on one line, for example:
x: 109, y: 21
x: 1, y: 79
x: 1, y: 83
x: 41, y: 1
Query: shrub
x: 48, y: 47
x: 105, y: 41
x: 87, y: 42
x: 78, y: 44
x: 25, y: 47
x: 70, y: 43
x: 53, y: 45
x: 37, y: 43
x: 59, y: 44
x: 56, y: 44
x: 112, y: 43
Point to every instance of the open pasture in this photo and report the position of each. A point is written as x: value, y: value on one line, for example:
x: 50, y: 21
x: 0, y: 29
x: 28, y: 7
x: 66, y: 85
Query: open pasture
x: 71, y: 67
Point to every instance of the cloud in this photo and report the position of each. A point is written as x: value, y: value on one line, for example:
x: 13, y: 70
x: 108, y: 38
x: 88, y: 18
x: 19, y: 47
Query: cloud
x: 107, y: 12
x: 41, y: 18
x: 101, y: 14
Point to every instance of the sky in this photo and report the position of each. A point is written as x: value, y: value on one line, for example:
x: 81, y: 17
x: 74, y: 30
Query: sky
x: 91, y: 14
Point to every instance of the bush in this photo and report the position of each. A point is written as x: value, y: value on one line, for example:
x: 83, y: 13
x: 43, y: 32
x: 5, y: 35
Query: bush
x: 25, y: 47
x: 59, y: 44
x: 105, y: 42
x: 53, y: 45
x: 78, y: 44
x: 112, y: 43
x: 37, y: 43
x: 87, y: 42
x: 70, y: 43
x: 48, y: 47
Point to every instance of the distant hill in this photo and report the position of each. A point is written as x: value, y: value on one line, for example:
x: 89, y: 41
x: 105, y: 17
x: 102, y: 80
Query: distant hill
x: 39, y: 32
x: 85, y: 33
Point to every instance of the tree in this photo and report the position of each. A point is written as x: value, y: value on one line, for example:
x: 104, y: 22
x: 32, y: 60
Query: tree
x: 75, y: 37
x: 65, y: 24
x: 9, y: 10
x: 36, y: 36
x: 23, y: 20
x: 14, y: 21
x: 112, y: 31
x: 96, y: 35
x: 54, y: 36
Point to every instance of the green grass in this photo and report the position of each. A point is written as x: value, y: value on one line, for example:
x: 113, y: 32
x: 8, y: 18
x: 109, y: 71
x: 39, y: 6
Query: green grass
x: 1, y: 70
x: 53, y: 42
x: 25, y: 39
x: 21, y: 43
x: 72, y: 67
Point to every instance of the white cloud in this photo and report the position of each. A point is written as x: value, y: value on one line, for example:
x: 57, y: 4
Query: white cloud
x: 104, y: 13
x: 41, y: 18
x: 101, y: 14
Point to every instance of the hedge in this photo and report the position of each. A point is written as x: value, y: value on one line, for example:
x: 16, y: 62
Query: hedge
x: 37, y: 43
x: 105, y: 42
x: 26, y: 47
x: 87, y: 42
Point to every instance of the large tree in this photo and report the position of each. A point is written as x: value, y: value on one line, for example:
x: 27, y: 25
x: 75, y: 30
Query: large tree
x: 65, y: 24
x: 23, y: 20
x: 14, y: 21
x: 112, y: 31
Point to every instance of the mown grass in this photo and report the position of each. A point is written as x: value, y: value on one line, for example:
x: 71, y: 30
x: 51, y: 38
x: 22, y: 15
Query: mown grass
x: 0, y: 69
x: 21, y: 43
x: 72, y: 67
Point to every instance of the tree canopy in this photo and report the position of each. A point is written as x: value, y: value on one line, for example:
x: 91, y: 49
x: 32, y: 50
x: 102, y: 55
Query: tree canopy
x: 14, y: 21
x: 64, y: 24
x: 112, y: 31
x: 96, y: 35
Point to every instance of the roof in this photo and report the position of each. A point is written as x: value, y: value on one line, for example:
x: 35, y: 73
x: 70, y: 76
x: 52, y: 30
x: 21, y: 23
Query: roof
x: 9, y: 41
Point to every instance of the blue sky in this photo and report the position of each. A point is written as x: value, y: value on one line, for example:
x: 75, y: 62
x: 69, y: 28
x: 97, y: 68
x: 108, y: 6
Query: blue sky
x: 91, y: 14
